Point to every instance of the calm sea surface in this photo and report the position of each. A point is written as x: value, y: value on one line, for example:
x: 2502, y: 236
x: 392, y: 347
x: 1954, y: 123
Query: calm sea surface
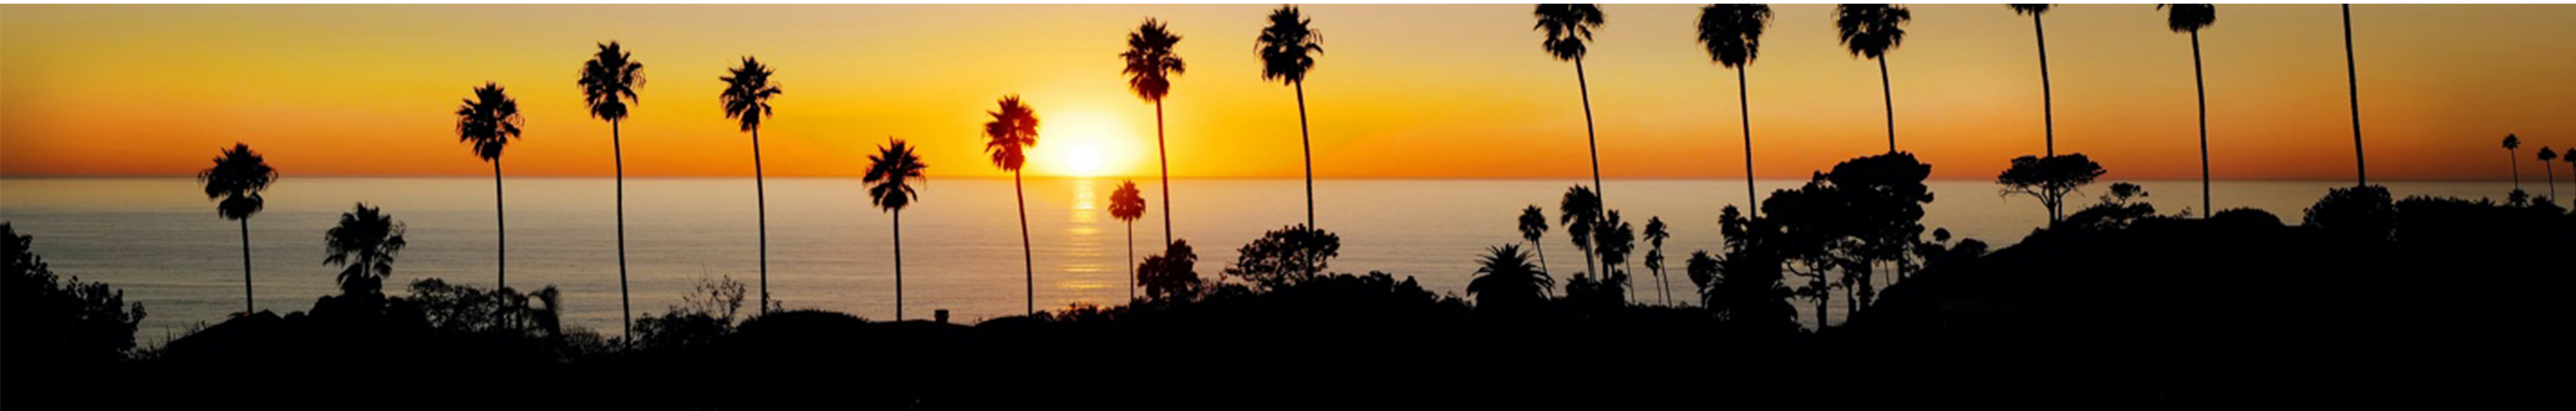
x: 160, y: 240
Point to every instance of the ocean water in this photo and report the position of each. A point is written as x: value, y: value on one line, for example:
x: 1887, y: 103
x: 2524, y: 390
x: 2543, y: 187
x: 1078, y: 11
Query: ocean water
x: 160, y: 240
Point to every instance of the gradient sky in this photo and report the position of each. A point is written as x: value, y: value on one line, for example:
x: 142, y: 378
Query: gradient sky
x: 1402, y: 91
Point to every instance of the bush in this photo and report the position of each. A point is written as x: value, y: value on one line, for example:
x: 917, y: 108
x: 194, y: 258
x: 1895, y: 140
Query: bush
x: 48, y: 320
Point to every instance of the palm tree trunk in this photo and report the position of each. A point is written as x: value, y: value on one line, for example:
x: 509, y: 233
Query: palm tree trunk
x: 1027, y: 254
x: 2513, y: 159
x: 1591, y: 137
x: 1542, y: 253
x: 760, y: 199
x: 501, y: 228
x: 1131, y: 261
x: 1887, y: 90
x: 248, y: 303
x: 625, y: 299
x: 2553, y: 183
x: 1306, y: 140
x: 2352, y: 76
x: 2201, y: 87
x: 1743, y: 105
x: 1166, y: 155
x: 2047, y: 102
x: 898, y: 263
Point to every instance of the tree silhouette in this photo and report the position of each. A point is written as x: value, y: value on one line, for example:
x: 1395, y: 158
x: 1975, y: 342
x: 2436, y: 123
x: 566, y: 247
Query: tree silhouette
x: 746, y: 98
x: 1533, y: 226
x: 2513, y: 158
x: 1870, y: 30
x: 2191, y: 18
x: 1579, y: 211
x: 1014, y: 129
x: 1127, y: 204
x: 1615, y: 240
x: 1150, y: 67
x: 2049, y: 179
x: 2047, y: 102
x: 2545, y: 156
x: 608, y: 82
x: 1505, y: 279
x: 1655, y: 235
x: 890, y: 173
x: 1288, y: 48
x: 1732, y: 33
x: 1285, y: 256
x: 1172, y: 274
x: 235, y: 181
x: 53, y: 323
x: 1568, y: 26
x: 2352, y: 78
x: 364, y: 244
x: 488, y: 122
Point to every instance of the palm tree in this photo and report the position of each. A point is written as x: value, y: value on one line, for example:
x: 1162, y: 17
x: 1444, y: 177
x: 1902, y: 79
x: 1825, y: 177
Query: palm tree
x: 1150, y: 67
x: 237, y: 178
x: 1534, y: 226
x: 2545, y: 156
x: 890, y: 173
x: 1579, y: 211
x: 1732, y: 33
x: 488, y: 122
x: 1288, y: 47
x: 2191, y: 18
x: 1870, y: 30
x: 746, y: 98
x: 1568, y: 26
x: 1013, y: 129
x: 2570, y: 158
x: 1127, y: 204
x: 2047, y: 101
x: 365, y: 242
x: 2514, y: 159
x: 2352, y: 78
x: 1655, y: 235
x: 1505, y: 278
x: 608, y: 82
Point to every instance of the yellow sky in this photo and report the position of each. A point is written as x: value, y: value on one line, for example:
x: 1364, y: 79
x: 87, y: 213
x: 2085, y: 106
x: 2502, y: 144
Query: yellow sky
x: 1403, y: 91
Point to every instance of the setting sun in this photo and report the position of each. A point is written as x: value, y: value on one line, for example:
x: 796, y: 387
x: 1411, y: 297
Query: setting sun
x: 1086, y: 144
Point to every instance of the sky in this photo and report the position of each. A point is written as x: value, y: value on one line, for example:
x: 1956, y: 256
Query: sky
x: 1402, y: 91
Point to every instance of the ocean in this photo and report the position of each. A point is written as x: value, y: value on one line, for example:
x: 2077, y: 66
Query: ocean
x: 160, y: 241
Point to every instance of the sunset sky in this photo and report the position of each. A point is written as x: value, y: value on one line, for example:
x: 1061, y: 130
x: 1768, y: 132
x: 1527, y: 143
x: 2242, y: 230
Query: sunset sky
x: 1402, y: 91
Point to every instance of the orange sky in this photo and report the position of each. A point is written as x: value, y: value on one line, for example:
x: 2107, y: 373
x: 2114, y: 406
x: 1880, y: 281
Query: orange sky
x: 1403, y: 91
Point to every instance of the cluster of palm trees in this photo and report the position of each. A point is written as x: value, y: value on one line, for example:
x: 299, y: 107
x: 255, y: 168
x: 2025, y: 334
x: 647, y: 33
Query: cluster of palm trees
x: 2513, y: 158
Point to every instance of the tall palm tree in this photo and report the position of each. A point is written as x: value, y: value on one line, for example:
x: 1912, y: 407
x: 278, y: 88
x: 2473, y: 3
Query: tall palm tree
x: 2513, y: 158
x: 2191, y: 18
x: 1288, y: 48
x: 1870, y: 30
x: 1568, y: 26
x: 236, y: 179
x: 746, y: 98
x: 2047, y: 100
x: 889, y: 177
x: 2545, y: 156
x: 608, y: 82
x: 1533, y: 226
x: 365, y: 242
x: 2570, y: 158
x: 1014, y: 129
x: 1579, y: 211
x: 1127, y: 204
x: 488, y: 122
x: 1655, y: 235
x: 1505, y: 278
x: 1732, y: 33
x: 2352, y: 78
x: 1150, y: 67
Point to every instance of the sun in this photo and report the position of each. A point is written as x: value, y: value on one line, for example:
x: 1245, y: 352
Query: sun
x: 1085, y: 144
x: 1085, y: 160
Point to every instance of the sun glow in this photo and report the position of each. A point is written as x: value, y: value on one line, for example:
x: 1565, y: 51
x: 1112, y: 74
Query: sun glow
x: 1084, y: 144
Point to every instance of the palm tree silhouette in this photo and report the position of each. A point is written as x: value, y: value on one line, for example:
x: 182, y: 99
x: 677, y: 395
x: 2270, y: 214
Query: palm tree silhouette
x: 1732, y: 33
x: 1505, y: 278
x: 1579, y: 211
x: 1533, y: 226
x: 746, y: 98
x: 608, y: 82
x: 2570, y: 158
x: 2514, y: 159
x: 1870, y: 30
x: 890, y: 172
x: 1150, y: 65
x: 488, y: 122
x: 1655, y: 235
x: 236, y: 179
x: 2047, y: 100
x: 2352, y: 78
x: 2545, y: 156
x: 1568, y: 26
x: 1013, y: 129
x: 2191, y: 18
x: 1127, y: 204
x: 1287, y: 48
x: 365, y: 243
